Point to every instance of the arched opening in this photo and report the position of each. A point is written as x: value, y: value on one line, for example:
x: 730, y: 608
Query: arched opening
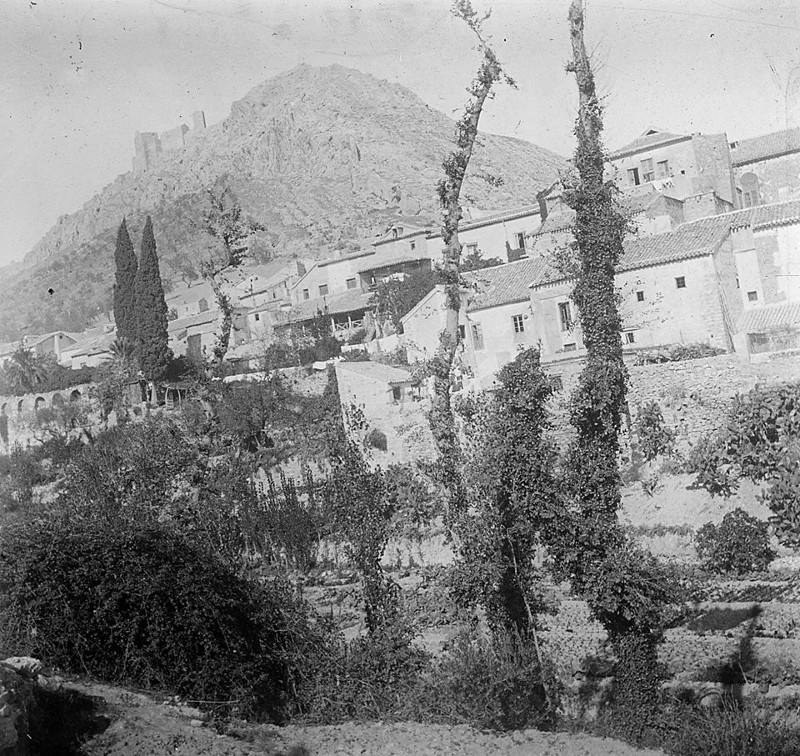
x: 203, y: 303
x: 4, y: 408
x: 39, y: 403
x: 751, y: 191
x: 57, y: 400
x: 20, y: 406
x: 75, y: 396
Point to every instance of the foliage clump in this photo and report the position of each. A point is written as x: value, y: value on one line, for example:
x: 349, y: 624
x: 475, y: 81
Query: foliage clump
x: 151, y: 311
x: 140, y: 605
x: 512, y: 490
x: 654, y: 437
x: 760, y: 442
x: 495, y: 683
x: 126, y: 266
x: 739, y: 544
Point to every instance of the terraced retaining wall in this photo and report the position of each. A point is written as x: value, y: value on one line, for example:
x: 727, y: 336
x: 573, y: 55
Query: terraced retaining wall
x: 694, y: 395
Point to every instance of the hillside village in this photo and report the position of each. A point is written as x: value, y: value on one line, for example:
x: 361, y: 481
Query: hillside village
x: 373, y: 449
x: 713, y: 259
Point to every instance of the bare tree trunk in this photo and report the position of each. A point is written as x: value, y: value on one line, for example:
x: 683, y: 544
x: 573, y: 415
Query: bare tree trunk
x: 449, y: 189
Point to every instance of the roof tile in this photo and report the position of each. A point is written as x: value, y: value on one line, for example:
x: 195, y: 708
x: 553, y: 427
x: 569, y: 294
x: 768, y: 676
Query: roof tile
x: 765, y: 146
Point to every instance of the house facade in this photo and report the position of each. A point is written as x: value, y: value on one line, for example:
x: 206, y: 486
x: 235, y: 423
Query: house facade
x: 681, y: 165
x: 767, y: 167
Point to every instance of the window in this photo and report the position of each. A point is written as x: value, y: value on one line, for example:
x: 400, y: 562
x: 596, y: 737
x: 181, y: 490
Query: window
x: 647, y: 170
x: 323, y: 290
x: 680, y: 282
x: 397, y: 393
x: 258, y: 317
x: 662, y: 169
x: 565, y: 315
x: 557, y: 383
x: 305, y: 294
x: 752, y: 296
x: 462, y: 332
x: 413, y: 245
x: 519, y: 324
x: 640, y: 296
x: 751, y: 194
x: 570, y: 347
x: 351, y: 283
x: 477, y: 337
x: 633, y: 176
x: 472, y: 249
x: 629, y: 337
x: 520, y: 239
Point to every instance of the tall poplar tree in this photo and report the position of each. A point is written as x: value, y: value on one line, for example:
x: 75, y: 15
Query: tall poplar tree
x: 151, y: 310
x: 125, y: 286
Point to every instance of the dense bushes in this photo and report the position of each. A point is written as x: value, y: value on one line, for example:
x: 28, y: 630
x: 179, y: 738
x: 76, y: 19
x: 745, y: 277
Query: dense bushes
x: 761, y: 442
x: 495, y: 684
x: 739, y: 544
x: 138, y: 604
x: 729, y: 731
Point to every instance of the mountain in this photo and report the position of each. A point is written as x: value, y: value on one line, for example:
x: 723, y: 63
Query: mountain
x: 322, y: 157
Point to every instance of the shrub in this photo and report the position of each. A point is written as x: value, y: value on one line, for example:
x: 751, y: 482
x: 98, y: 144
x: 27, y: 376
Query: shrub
x: 739, y: 544
x: 376, y: 439
x: 731, y: 731
x: 679, y: 352
x: 140, y: 605
x: 654, y: 437
x: 355, y: 355
x: 366, y: 679
x: 412, y: 500
x: 712, y: 467
x: 495, y: 684
x: 134, y: 471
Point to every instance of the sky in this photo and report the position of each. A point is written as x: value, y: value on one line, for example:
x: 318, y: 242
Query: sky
x: 80, y: 77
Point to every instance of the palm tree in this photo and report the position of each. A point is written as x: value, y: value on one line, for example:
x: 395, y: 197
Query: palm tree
x: 25, y: 371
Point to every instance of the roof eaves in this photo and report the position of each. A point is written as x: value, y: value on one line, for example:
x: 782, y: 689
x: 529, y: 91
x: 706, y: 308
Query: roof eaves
x: 630, y: 149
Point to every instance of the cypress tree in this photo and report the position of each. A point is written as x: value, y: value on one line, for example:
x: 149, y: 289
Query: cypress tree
x: 125, y: 286
x: 151, y: 310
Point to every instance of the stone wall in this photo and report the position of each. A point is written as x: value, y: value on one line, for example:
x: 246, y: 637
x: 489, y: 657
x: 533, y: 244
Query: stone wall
x: 20, y: 411
x: 694, y: 395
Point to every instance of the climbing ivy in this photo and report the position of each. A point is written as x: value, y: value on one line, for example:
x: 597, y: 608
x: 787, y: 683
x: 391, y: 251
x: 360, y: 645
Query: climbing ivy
x: 449, y: 191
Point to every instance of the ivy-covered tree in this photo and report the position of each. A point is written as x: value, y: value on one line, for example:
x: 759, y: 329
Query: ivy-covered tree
x: 125, y: 286
x: 512, y: 491
x: 151, y: 311
x: 225, y: 221
x: 625, y: 588
x: 442, y: 422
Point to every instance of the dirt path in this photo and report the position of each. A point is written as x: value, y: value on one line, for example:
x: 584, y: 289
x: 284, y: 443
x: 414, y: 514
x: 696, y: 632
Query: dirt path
x: 143, y: 726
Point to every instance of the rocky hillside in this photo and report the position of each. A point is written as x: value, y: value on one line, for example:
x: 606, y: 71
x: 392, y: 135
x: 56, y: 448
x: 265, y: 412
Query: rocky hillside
x: 323, y: 157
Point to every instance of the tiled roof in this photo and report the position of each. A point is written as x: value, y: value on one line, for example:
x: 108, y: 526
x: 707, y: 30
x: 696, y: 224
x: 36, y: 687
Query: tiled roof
x: 696, y: 238
x: 91, y: 343
x: 766, y: 146
x: 504, y: 284
x: 769, y: 317
x: 377, y: 371
x: 490, y: 218
x: 646, y: 141
x: 563, y: 217
x: 686, y: 241
x: 334, y: 304
x: 208, y: 316
x: 389, y: 259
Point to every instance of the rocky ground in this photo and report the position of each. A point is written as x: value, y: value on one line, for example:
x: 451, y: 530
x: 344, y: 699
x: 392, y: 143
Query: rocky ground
x: 143, y: 726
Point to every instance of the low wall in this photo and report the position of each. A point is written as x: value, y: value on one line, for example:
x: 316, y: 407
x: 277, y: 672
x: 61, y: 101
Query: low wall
x: 20, y: 411
x: 694, y: 395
